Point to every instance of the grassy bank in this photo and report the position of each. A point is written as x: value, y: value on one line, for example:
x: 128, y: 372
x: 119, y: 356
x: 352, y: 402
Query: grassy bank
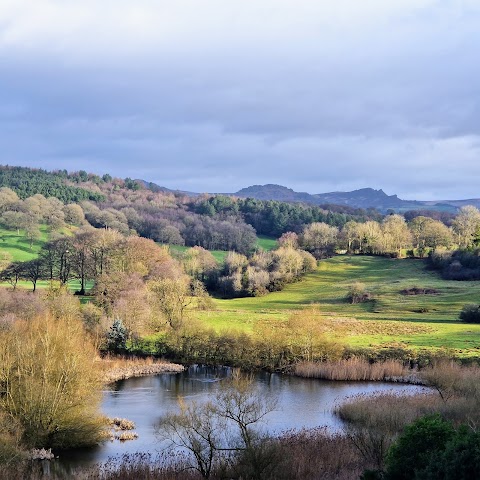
x: 390, y: 319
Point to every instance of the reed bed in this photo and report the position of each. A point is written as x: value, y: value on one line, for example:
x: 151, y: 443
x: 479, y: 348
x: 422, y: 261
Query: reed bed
x: 296, y: 455
x: 357, y: 369
x: 388, y: 411
x: 120, y: 368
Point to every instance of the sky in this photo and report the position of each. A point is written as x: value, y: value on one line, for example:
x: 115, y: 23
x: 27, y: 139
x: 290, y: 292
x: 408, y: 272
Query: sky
x: 217, y: 95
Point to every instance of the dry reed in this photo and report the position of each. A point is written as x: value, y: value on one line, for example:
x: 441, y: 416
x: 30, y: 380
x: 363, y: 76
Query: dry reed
x: 120, y: 368
x: 356, y: 369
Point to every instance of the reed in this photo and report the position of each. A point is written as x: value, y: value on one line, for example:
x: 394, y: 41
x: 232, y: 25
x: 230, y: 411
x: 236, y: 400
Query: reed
x: 119, y: 368
x: 356, y: 369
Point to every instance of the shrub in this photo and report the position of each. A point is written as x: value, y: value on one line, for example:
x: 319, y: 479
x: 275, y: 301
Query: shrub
x: 357, y: 293
x: 470, y: 314
x: 51, y: 383
x: 117, y: 337
x: 460, y: 460
x: 414, y: 449
x: 431, y: 448
x: 419, y: 291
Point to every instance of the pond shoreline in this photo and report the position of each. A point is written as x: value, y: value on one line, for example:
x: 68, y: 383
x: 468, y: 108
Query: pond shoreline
x: 131, y: 369
x: 146, y: 399
x: 356, y: 370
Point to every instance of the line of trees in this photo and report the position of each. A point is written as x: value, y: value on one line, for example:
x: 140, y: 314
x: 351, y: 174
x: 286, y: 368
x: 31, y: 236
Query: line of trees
x: 274, y: 218
x: 392, y: 236
x: 167, y: 223
x: 131, y: 279
x: 29, y: 214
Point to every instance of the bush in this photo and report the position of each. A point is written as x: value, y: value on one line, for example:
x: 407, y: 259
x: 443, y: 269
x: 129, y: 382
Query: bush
x: 432, y: 449
x: 459, y: 461
x: 50, y: 382
x: 413, y: 450
x: 117, y: 337
x: 470, y: 314
x: 357, y: 293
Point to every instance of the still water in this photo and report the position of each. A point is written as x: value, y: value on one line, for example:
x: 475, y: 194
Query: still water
x: 301, y: 403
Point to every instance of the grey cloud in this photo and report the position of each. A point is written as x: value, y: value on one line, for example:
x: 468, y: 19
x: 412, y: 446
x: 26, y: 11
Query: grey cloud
x: 393, y: 106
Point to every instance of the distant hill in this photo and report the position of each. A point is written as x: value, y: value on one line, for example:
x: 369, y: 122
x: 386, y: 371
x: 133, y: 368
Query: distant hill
x: 158, y: 188
x: 30, y: 181
x: 362, y: 198
x: 275, y: 192
x: 80, y: 186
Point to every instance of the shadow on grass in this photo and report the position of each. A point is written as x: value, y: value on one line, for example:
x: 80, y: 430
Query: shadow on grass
x: 19, y: 246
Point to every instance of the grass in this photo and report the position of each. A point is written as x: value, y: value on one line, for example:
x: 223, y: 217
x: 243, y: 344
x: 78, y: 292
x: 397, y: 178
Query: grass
x: 414, y: 321
x: 18, y: 246
x: 267, y: 243
x: 119, y: 368
x: 263, y: 242
x: 354, y: 369
x: 219, y: 255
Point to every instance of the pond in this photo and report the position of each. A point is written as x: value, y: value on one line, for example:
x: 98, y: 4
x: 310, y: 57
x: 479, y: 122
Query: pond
x: 302, y: 403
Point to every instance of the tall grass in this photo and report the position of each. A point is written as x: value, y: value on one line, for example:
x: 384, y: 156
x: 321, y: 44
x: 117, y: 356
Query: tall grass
x: 355, y: 369
x: 296, y: 455
x: 375, y: 421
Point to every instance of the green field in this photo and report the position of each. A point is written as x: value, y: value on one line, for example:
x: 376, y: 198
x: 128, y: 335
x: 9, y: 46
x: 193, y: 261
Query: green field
x: 389, y: 319
x: 219, y: 255
x: 18, y: 246
x: 263, y: 242
x: 267, y: 243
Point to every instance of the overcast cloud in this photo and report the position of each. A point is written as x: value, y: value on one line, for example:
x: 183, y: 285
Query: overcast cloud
x: 216, y: 95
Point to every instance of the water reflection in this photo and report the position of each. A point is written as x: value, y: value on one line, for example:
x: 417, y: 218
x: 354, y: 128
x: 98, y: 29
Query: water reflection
x: 302, y: 403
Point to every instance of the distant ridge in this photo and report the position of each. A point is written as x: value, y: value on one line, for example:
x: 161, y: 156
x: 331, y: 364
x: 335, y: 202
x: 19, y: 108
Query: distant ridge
x: 158, y: 188
x: 362, y: 198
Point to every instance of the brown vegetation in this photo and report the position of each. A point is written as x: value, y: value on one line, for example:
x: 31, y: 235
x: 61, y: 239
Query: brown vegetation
x: 296, y: 455
x: 375, y: 421
x: 419, y: 291
x: 120, y: 368
x: 49, y: 381
x: 355, y: 369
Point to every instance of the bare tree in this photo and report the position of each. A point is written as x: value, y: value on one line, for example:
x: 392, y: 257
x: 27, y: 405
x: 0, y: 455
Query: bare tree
x: 467, y: 225
x: 223, y: 432
x: 198, y: 430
